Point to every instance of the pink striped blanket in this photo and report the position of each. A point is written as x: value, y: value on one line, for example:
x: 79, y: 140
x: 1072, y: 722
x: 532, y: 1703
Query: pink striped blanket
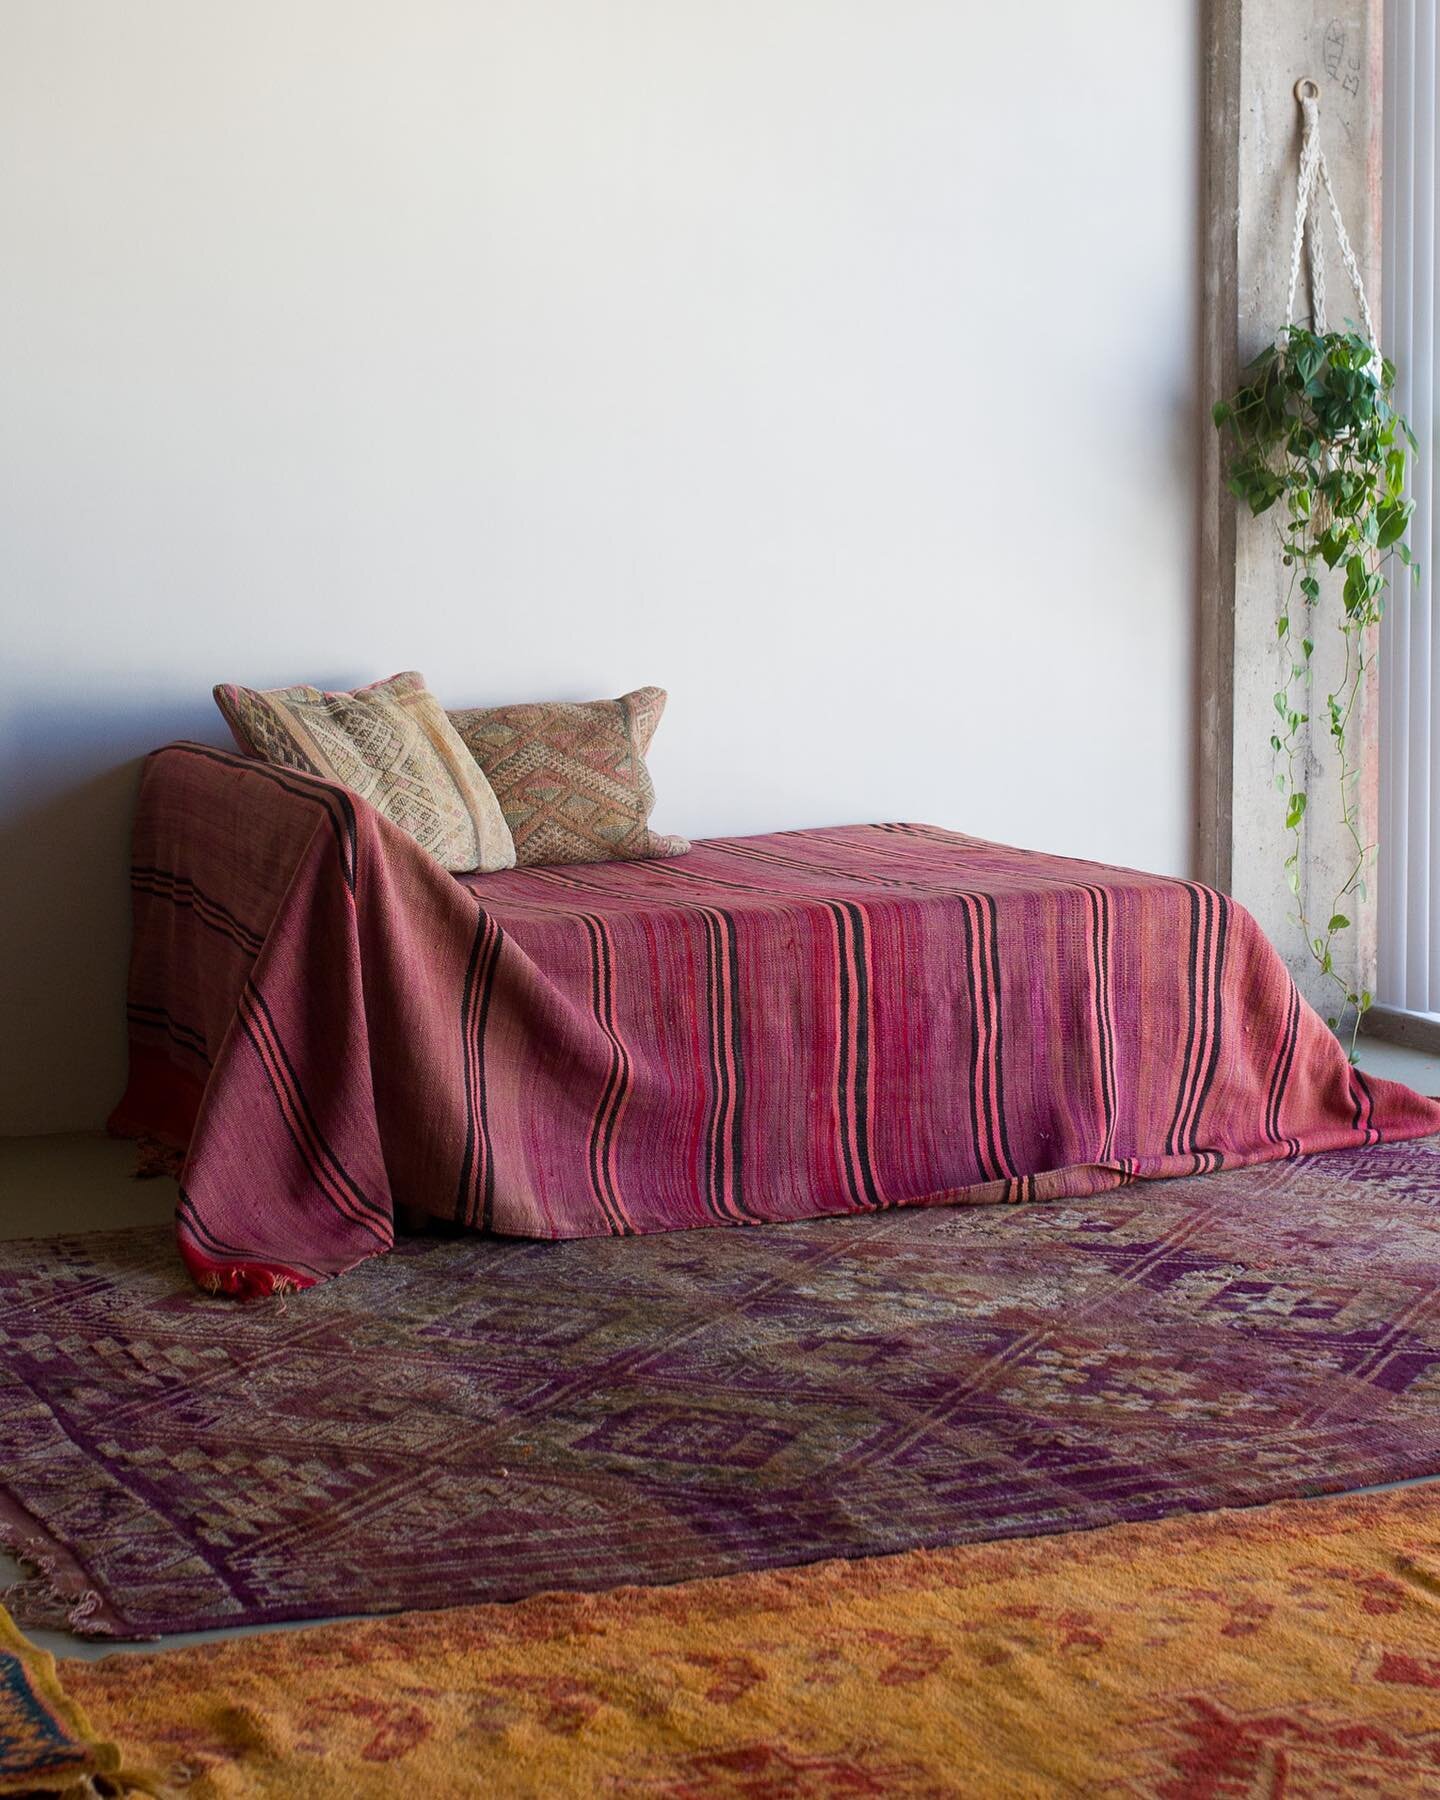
x: 330, y: 1027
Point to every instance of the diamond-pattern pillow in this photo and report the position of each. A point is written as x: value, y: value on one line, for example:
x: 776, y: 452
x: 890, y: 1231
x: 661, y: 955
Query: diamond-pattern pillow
x: 571, y: 776
x: 392, y: 744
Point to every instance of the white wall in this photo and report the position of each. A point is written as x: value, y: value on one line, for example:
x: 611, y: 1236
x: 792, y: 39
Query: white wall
x: 827, y: 361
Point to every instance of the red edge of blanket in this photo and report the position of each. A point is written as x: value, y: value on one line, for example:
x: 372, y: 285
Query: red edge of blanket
x: 242, y: 1280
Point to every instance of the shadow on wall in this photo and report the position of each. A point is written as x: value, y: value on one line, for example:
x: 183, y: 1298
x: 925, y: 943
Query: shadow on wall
x: 65, y: 812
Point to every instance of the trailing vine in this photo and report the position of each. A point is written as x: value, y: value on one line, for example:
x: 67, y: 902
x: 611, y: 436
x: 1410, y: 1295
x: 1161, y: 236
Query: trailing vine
x: 1314, y: 432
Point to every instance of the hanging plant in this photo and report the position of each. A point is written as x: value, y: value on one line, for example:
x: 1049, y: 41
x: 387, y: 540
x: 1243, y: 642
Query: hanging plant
x: 1314, y: 437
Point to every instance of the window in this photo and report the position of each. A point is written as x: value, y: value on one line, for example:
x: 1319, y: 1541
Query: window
x: 1409, y: 867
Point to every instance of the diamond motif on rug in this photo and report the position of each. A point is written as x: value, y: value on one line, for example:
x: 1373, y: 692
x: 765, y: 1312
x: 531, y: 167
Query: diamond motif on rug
x: 477, y: 1419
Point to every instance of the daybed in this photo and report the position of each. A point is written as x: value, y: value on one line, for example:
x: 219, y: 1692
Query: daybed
x: 331, y: 1027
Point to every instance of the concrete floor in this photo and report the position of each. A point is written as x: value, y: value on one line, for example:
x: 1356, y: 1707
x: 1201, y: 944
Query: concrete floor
x: 51, y: 1185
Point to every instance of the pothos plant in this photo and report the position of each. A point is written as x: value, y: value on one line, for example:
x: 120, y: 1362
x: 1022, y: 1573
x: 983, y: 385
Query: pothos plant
x: 1313, y: 432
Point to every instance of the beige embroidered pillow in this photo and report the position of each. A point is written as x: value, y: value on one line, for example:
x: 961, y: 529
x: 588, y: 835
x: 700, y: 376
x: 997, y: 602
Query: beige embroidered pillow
x: 392, y: 744
x: 571, y: 778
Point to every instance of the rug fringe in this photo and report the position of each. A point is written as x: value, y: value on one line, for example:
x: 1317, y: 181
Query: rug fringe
x: 49, y: 1596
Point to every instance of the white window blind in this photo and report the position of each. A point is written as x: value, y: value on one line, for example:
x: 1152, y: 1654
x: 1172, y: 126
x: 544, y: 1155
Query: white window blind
x: 1409, y: 869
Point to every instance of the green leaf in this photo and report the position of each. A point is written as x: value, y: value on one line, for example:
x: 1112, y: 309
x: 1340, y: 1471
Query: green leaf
x: 1393, y: 520
x: 1356, y: 583
x: 1338, y: 922
x: 1295, y: 812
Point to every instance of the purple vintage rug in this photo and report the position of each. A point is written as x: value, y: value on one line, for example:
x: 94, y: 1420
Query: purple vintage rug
x: 478, y: 1419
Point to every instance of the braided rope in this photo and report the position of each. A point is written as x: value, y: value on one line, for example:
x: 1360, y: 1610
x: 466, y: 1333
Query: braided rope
x: 1347, y: 255
x: 1304, y: 188
x: 1315, y: 174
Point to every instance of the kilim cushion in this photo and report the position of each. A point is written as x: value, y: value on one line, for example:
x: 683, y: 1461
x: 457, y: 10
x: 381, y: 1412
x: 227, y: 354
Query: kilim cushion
x: 571, y: 777
x: 392, y: 744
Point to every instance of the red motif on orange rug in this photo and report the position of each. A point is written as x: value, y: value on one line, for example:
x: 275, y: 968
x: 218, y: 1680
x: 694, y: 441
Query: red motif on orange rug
x: 1286, y: 1755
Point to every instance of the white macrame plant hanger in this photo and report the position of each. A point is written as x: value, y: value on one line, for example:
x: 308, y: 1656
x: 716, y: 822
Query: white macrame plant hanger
x: 1315, y: 175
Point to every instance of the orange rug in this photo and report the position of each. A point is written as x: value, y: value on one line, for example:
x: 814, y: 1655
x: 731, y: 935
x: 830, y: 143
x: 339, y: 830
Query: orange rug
x: 46, y: 1743
x: 1289, y: 1651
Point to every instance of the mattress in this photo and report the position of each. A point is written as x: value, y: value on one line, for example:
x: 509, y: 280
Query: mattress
x: 327, y: 1027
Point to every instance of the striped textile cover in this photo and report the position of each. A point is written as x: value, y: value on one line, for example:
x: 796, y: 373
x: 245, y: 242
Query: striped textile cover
x: 770, y: 1028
